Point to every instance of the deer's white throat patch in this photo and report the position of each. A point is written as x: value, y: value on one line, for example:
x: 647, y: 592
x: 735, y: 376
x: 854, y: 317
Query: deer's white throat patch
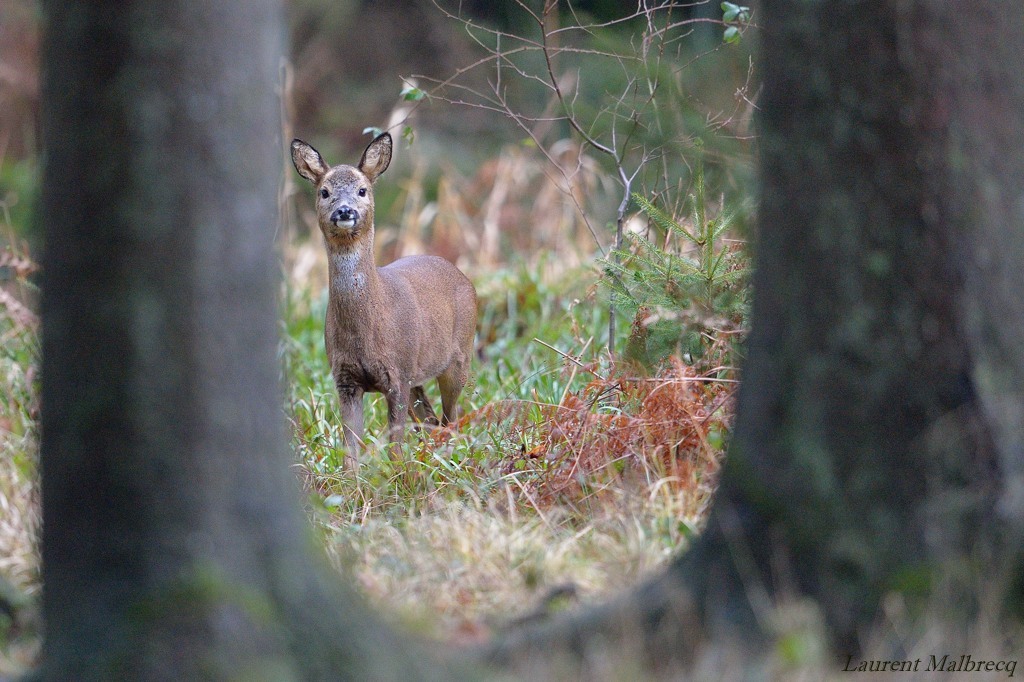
x: 345, y: 272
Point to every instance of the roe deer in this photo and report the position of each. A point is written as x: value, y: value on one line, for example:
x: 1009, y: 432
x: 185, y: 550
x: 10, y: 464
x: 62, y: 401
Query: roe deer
x: 389, y: 329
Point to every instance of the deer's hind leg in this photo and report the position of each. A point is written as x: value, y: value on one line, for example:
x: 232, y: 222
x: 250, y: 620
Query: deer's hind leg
x: 451, y: 382
x: 397, y: 396
x: 420, y: 409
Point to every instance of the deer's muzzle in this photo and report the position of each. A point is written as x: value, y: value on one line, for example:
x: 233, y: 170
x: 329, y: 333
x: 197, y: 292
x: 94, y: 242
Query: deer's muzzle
x: 345, y: 216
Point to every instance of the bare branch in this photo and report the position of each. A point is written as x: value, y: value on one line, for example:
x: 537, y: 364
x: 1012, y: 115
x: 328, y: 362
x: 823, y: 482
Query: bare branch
x: 619, y: 128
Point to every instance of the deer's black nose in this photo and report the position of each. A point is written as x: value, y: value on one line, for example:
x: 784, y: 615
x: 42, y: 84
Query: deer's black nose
x: 344, y: 215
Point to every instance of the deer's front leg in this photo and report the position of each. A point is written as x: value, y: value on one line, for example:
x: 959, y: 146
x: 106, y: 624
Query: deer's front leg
x: 351, y: 399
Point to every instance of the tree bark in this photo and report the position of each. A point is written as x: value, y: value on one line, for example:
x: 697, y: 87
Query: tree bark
x: 985, y: 90
x: 174, y: 545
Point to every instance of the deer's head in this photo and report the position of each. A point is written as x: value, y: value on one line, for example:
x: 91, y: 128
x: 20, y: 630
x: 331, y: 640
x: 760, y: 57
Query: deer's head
x: 344, y: 194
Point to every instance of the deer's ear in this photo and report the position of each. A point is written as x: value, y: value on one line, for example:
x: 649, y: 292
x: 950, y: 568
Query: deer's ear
x: 308, y: 162
x: 376, y: 157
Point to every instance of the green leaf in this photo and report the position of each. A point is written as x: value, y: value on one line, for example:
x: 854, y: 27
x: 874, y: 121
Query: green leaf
x: 733, y: 12
x: 732, y: 35
x: 722, y: 224
x: 408, y: 134
x: 734, y: 276
x: 411, y: 93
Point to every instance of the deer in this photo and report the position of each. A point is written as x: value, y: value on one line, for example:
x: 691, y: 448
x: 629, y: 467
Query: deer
x: 388, y: 329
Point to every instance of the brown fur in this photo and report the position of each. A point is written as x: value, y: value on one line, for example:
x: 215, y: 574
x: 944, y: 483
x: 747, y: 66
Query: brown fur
x: 391, y: 329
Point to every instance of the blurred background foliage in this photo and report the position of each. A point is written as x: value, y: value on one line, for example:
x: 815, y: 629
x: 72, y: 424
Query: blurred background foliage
x: 350, y: 59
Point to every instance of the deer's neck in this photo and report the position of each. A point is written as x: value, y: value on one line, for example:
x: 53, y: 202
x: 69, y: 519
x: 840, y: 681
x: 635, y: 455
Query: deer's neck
x: 353, y: 276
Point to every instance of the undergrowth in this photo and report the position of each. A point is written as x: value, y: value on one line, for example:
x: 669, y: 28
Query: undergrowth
x: 568, y: 474
x: 683, y: 280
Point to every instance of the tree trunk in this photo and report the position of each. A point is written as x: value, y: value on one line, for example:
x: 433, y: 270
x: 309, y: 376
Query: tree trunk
x: 867, y: 452
x: 985, y: 90
x: 861, y: 446
x: 174, y: 545
x: 878, y: 448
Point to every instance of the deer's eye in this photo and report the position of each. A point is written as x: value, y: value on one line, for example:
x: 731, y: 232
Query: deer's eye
x: 362, y: 191
x: 324, y: 193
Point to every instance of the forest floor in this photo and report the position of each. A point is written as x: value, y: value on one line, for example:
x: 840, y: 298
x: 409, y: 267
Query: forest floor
x: 568, y: 476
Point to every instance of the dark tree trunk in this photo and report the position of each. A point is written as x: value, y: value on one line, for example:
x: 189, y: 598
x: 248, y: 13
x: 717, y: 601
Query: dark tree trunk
x: 174, y: 544
x: 862, y: 455
x: 867, y: 455
x: 880, y: 427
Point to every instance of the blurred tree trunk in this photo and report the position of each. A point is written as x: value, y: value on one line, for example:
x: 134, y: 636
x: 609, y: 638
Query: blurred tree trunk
x: 879, y: 447
x: 868, y: 457
x: 863, y: 458
x: 880, y: 422
x: 174, y: 544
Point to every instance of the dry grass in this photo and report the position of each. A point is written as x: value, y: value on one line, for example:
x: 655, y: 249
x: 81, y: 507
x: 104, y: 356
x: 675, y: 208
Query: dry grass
x: 586, y: 514
x: 461, y: 570
x: 19, y: 501
x: 526, y: 505
x: 19, y: 517
x: 654, y: 432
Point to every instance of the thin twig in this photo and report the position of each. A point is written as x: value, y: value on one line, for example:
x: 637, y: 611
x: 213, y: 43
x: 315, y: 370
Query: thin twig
x: 570, y: 359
